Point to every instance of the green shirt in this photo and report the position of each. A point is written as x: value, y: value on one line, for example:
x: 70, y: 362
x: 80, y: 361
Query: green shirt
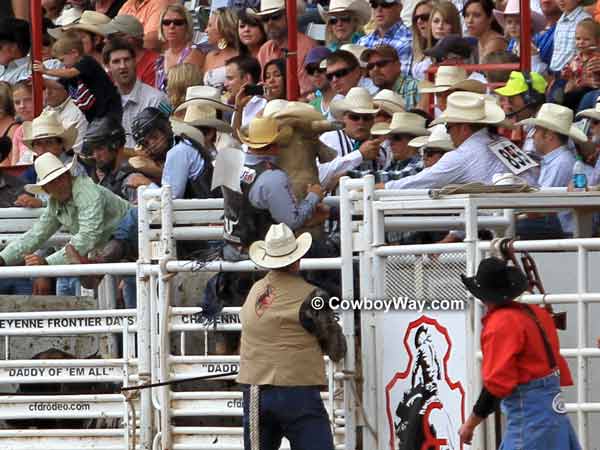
x: 408, y: 88
x: 91, y: 216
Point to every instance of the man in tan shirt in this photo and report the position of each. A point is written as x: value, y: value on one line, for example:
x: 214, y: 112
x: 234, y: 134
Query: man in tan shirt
x: 280, y: 361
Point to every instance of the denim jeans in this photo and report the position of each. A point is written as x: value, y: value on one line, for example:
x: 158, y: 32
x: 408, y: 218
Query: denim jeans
x: 294, y: 412
x: 129, y: 292
x: 546, y: 227
x: 68, y: 286
x: 15, y: 286
x: 127, y: 230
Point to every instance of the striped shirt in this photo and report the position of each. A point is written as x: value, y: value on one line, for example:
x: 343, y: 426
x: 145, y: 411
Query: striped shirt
x: 398, y: 36
x: 564, y: 37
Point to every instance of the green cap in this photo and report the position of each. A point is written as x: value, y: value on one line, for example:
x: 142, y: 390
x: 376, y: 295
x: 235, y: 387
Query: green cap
x: 516, y: 84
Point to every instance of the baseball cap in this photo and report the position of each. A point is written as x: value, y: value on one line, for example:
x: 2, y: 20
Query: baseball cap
x: 124, y: 24
x: 382, y: 50
x: 516, y: 84
x: 451, y: 44
x: 316, y: 54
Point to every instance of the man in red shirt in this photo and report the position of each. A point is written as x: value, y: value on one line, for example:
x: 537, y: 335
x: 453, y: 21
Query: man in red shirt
x: 521, y: 365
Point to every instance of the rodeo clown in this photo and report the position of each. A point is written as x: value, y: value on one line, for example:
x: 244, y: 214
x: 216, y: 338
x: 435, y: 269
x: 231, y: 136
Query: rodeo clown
x: 521, y: 365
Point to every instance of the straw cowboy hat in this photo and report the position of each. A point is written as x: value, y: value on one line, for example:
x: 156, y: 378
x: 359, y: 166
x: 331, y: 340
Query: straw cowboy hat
x: 357, y: 51
x: 402, y: 123
x: 439, y: 139
x: 469, y: 107
x: 273, y: 106
x: 359, y: 7
x: 358, y: 100
x: 591, y: 113
x: 538, y: 21
x: 48, y: 125
x: 267, y: 7
x: 280, y: 247
x: 496, y: 282
x: 263, y: 131
x: 451, y: 78
x: 48, y: 168
x: 199, y: 115
x: 204, y: 95
x: 90, y: 21
x: 389, y: 101
x: 68, y: 17
x: 298, y: 110
x: 556, y: 118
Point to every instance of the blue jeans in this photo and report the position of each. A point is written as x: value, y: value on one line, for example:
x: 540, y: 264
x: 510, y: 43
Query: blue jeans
x: 127, y: 230
x: 546, y: 227
x: 294, y: 412
x: 16, y: 286
x: 536, y: 418
x: 129, y: 292
x: 68, y: 286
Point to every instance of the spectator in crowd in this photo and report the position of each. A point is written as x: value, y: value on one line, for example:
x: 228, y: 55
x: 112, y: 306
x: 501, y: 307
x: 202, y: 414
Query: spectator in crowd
x: 449, y: 79
x: 129, y: 28
x: 452, y: 50
x: 243, y: 71
x: 421, y: 31
x: 23, y: 102
x: 481, y: 24
x: 354, y: 146
x: 53, y: 8
x: 176, y: 31
x: 7, y: 122
x: 544, y: 40
x: 251, y: 34
x: 343, y: 72
x: 385, y: 70
x: 272, y: 14
x: 109, y: 8
x: 365, y: 81
x: 564, y: 34
x: 136, y: 96
x: 444, y: 21
x: 389, y: 30
x: 274, y: 79
x: 223, y: 35
x: 434, y: 146
x: 501, y: 57
x: 468, y: 116
x: 344, y: 22
x: 149, y: 13
x: 15, y: 42
x: 389, y: 103
x: 323, y: 93
x: 86, y: 81
x: 181, y: 77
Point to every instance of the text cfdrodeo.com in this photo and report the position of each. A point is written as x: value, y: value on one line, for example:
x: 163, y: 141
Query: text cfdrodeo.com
x: 58, y: 406
x: 390, y: 304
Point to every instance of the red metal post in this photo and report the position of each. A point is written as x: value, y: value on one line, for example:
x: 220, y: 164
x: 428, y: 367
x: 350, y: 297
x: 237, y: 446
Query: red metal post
x: 291, y: 66
x: 525, y: 38
x: 36, y: 53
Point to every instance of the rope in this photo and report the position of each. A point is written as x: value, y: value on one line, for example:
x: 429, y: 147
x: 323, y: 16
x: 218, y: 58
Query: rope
x: 254, y: 417
x: 184, y: 380
x: 480, y: 188
x: 351, y: 375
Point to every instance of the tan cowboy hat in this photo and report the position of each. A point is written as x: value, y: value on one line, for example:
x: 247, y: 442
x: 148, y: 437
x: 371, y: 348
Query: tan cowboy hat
x: 299, y: 110
x: 556, y: 118
x: 439, y: 139
x: 359, y: 7
x: 280, y: 247
x: 358, y: 100
x: 273, y: 106
x: 402, y: 123
x: 451, y: 78
x: 591, y: 113
x: 538, y: 21
x: 469, y: 107
x: 90, y: 21
x: 263, y: 131
x: 48, y: 168
x: 48, y: 125
x: 356, y: 50
x: 180, y: 128
x: 267, y: 7
x: 389, y: 101
x: 203, y: 95
x: 199, y: 115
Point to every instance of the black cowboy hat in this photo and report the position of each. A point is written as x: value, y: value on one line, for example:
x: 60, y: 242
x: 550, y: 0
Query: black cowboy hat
x: 496, y: 282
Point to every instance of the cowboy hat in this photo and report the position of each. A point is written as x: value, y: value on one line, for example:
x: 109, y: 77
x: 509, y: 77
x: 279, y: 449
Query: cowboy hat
x: 205, y: 116
x: 48, y: 125
x: 469, y: 107
x: 591, y: 113
x: 273, y: 106
x: 538, y: 21
x: 439, y: 139
x: 402, y: 123
x: 280, y: 247
x: 357, y: 51
x: 48, y: 168
x: 389, y: 101
x: 180, y: 128
x: 358, y: 100
x: 267, y: 7
x: 126, y: 24
x: 90, y: 21
x: 556, y: 118
x: 203, y: 95
x: 451, y: 78
x: 496, y: 282
x: 68, y: 17
x: 299, y: 110
x: 263, y: 131
x: 360, y: 8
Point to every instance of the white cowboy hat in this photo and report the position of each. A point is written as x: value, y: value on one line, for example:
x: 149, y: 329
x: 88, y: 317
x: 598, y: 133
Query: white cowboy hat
x: 556, y: 118
x: 389, y: 101
x: 299, y: 110
x: 267, y: 7
x: 439, y: 139
x: 280, y: 247
x: 358, y: 100
x: 451, y: 78
x: 273, y: 106
x: 48, y: 125
x: 205, y: 116
x: 90, y: 21
x: 469, y: 107
x: 180, y: 128
x: 359, y: 7
x: 538, y: 21
x: 203, y: 95
x: 356, y: 50
x: 68, y: 16
x: 263, y: 131
x: 402, y: 123
x: 591, y: 113
x: 48, y: 168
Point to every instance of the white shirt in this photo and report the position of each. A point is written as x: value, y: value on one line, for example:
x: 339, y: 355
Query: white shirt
x: 255, y: 105
x: 15, y: 70
x: 71, y: 115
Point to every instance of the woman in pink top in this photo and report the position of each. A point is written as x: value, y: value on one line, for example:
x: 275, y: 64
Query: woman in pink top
x: 23, y: 103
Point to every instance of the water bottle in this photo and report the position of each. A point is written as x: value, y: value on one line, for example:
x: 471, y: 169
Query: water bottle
x: 579, y: 177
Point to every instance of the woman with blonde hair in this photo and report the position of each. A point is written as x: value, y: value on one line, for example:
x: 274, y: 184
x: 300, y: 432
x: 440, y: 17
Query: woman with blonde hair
x: 444, y: 20
x: 181, y: 77
x: 7, y: 120
x: 344, y: 21
x: 420, y: 32
x: 222, y: 32
x: 176, y: 30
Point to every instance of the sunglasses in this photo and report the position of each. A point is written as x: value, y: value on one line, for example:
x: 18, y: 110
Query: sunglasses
x: 45, y: 142
x: 272, y: 17
x: 376, y: 5
x: 360, y: 117
x: 379, y: 64
x: 431, y: 153
x: 339, y: 73
x: 176, y: 22
x: 313, y: 69
x: 421, y: 17
x: 335, y: 20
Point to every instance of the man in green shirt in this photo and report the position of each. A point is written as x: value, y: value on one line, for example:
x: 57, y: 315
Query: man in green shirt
x: 89, y: 212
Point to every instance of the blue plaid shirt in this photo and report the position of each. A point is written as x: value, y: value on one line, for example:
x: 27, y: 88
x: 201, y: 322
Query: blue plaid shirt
x: 564, y: 38
x: 399, y: 37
